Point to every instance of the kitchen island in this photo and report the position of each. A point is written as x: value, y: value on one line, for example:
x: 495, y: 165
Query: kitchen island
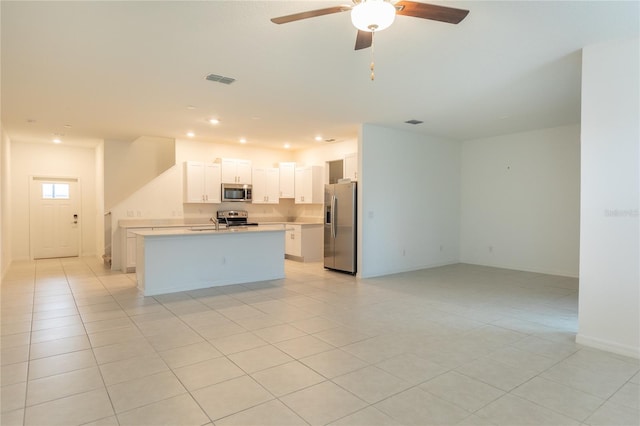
x: 174, y: 260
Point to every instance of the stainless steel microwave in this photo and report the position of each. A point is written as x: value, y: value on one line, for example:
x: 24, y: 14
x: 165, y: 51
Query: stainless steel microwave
x: 236, y: 192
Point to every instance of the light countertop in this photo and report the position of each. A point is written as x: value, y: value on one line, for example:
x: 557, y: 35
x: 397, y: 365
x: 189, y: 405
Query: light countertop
x: 179, y: 223
x: 210, y: 230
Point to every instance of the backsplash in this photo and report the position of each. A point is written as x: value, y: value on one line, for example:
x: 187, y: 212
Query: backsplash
x: 285, y: 211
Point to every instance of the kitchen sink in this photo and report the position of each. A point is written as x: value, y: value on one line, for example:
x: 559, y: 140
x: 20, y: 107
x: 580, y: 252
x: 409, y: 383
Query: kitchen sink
x: 230, y: 229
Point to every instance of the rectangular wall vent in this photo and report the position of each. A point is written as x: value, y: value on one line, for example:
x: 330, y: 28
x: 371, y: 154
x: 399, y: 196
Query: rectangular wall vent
x: 220, y: 79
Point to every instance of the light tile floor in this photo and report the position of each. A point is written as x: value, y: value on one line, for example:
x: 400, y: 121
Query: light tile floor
x: 459, y: 344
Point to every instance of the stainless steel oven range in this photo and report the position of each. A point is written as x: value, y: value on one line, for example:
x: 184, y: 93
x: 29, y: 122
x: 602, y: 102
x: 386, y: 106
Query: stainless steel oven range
x: 234, y: 218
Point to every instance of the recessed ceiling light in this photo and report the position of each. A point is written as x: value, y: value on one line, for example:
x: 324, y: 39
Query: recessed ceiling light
x: 67, y: 126
x: 191, y: 134
x: 243, y: 140
x: 318, y: 138
x: 190, y: 107
x: 287, y: 146
x: 56, y: 140
x: 214, y: 121
x: 31, y: 120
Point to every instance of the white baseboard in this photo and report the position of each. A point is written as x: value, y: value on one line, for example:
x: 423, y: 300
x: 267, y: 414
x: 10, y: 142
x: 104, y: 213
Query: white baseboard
x: 380, y: 273
x: 522, y: 268
x: 609, y: 346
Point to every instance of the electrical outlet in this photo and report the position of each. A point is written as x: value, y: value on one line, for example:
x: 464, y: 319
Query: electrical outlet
x: 441, y: 247
x: 404, y: 252
x: 490, y: 249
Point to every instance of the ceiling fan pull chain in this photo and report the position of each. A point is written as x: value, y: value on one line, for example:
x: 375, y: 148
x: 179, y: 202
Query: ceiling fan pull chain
x: 372, y: 66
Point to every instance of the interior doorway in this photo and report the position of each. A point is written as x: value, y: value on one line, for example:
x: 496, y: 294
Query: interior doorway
x: 336, y: 170
x: 54, y: 217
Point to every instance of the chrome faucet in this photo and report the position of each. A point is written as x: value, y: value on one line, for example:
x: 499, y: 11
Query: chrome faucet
x: 215, y: 222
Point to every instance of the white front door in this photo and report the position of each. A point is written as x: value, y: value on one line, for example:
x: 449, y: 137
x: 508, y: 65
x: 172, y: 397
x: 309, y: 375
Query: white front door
x: 54, y: 218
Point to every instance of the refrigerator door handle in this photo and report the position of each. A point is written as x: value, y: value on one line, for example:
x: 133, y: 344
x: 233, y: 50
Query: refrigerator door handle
x: 334, y: 203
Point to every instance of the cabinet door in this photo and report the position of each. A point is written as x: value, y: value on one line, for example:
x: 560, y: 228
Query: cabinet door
x: 351, y: 166
x: 228, y: 172
x: 309, y: 185
x: 302, y: 185
x: 211, y: 183
x: 193, y: 182
x: 288, y: 242
x: 293, y: 243
x: 312, y: 243
x: 259, y: 186
x: 287, y: 179
x: 131, y: 252
x: 243, y: 171
x: 273, y: 186
x: 128, y: 247
x: 266, y: 186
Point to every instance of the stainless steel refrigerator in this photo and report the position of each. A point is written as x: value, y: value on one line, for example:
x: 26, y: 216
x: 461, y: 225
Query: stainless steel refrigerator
x: 340, y: 227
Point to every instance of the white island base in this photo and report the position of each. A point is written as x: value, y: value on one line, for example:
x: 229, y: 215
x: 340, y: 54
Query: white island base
x: 181, y: 260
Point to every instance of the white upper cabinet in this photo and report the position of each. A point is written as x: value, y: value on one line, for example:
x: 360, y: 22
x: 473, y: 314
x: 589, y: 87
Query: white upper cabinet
x: 287, y: 180
x: 201, y: 182
x: 350, y: 165
x: 236, y: 171
x: 309, y: 183
x: 266, y: 186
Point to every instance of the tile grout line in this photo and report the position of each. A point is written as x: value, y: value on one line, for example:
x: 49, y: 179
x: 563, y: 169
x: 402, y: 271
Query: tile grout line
x: 26, y: 387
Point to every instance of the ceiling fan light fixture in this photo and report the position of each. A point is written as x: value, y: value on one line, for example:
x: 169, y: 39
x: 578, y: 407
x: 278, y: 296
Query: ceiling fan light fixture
x: 373, y: 15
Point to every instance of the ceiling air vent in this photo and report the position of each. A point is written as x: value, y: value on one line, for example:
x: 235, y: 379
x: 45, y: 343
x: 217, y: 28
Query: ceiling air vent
x: 414, y: 122
x: 220, y: 79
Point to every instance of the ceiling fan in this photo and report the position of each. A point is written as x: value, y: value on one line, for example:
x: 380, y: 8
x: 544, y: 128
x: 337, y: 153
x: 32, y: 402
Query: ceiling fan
x: 370, y: 16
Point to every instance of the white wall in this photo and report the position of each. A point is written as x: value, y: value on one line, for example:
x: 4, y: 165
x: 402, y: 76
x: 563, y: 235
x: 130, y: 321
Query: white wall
x: 610, y: 192
x: 100, y: 207
x: 5, y: 202
x: 415, y: 175
x: 187, y: 149
x: 521, y: 201
x: 128, y: 166
x: 323, y: 152
x: 36, y: 159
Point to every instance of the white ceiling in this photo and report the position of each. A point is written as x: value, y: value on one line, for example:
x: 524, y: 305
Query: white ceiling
x: 123, y: 69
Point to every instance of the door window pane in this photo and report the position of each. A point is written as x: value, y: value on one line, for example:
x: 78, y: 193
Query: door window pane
x: 47, y: 190
x: 56, y: 191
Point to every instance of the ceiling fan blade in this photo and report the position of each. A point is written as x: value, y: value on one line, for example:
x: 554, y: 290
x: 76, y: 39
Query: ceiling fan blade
x: 309, y: 14
x: 431, y: 11
x: 364, y: 39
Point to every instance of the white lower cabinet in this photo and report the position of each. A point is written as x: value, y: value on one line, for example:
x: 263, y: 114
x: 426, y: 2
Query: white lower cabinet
x: 293, y: 243
x: 304, y: 242
x: 128, y: 263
